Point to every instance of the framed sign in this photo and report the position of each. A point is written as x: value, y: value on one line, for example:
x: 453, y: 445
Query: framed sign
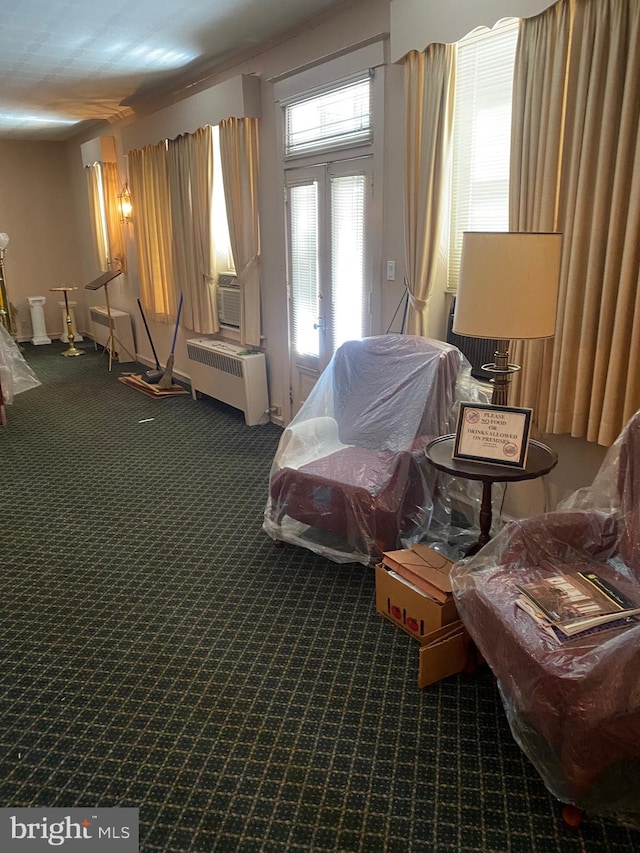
x: 495, y: 434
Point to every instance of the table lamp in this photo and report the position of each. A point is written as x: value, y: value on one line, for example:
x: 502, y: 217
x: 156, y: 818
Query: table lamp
x: 508, y: 290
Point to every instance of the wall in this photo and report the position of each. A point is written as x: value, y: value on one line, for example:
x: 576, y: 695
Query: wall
x: 38, y: 213
x: 416, y: 24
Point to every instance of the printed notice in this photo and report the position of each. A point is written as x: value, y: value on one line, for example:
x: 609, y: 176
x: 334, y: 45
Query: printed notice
x: 496, y: 434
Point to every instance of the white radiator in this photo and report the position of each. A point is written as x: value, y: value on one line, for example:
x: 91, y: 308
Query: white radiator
x: 123, y: 347
x: 229, y: 373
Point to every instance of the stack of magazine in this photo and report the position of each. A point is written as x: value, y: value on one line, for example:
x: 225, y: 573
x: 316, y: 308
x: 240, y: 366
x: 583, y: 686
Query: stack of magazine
x: 576, y: 604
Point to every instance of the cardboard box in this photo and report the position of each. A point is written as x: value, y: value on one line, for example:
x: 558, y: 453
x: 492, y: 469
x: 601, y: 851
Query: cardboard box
x: 444, y: 642
x: 423, y: 567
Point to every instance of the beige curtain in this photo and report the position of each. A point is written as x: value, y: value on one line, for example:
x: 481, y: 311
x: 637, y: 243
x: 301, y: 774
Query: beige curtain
x: 111, y: 188
x: 536, y: 149
x: 586, y: 116
x: 429, y: 87
x: 102, y: 183
x: 239, y: 156
x: 98, y: 229
x: 149, y: 175
x: 595, y: 378
x: 190, y: 165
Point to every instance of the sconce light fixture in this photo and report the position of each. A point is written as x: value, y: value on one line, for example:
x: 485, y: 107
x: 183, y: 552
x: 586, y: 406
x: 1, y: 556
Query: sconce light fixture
x: 124, y: 203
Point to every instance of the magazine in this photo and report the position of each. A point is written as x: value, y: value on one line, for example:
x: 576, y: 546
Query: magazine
x: 577, y: 601
x: 559, y: 635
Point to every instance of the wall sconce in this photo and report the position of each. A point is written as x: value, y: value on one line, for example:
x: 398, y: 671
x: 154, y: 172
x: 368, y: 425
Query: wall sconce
x: 124, y: 204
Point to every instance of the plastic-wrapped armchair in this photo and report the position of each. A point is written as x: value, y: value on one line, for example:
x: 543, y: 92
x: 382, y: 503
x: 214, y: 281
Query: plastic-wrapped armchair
x: 15, y: 374
x: 349, y: 478
x: 573, y: 707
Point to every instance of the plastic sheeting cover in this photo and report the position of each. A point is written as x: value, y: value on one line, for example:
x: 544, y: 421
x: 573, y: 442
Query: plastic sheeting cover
x: 15, y: 374
x: 349, y: 478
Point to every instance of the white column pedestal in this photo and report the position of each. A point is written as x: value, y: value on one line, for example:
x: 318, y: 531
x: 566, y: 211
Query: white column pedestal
x: 64, y: 337
x: 36, y: 306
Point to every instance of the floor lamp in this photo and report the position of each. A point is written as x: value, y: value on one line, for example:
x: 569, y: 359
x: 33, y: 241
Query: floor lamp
x: 508, y: 290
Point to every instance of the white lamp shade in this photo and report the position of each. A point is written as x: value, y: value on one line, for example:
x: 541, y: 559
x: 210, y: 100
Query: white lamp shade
x: 4, y: 240
x: 508, y: 287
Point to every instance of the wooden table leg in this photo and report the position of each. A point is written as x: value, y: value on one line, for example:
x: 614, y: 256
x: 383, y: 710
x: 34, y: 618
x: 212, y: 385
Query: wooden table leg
x: 485, y: 521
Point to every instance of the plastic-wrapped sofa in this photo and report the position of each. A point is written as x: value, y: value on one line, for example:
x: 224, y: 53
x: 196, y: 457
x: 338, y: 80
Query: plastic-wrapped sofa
x: 349, y: 479
x: 573, y: 707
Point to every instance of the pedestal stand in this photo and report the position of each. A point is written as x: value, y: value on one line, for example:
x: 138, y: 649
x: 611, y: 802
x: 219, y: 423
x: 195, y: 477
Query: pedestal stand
x: 72, y: 350
x: 36, y: 307
x: 64, y: 337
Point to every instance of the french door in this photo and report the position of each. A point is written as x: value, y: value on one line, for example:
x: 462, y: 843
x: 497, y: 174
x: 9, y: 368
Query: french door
x: 329, y: 264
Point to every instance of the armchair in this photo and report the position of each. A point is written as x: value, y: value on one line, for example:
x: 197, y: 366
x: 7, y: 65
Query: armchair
x: 349, y: 478
x: 573, y: 707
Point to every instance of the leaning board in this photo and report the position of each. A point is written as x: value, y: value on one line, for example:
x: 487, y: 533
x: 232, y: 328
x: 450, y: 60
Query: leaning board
x: 152, y: 390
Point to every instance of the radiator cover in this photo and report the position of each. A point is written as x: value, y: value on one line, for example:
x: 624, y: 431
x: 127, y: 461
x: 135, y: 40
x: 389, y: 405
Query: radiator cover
x: 121, y: 323
x: 229, y: 373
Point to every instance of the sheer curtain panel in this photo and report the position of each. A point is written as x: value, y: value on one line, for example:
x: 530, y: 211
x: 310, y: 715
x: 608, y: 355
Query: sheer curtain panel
x: 149, y: 175
x: 239, y: 155
x: 190, y: 165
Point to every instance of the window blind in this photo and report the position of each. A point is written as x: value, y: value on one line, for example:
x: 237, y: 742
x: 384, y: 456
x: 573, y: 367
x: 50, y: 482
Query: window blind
x: 347, y: 258
x: 479, y: 198
x: 303, y: 200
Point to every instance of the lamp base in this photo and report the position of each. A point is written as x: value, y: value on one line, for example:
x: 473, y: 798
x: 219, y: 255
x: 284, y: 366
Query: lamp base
x: 502, y: 371
x: 72, y: 351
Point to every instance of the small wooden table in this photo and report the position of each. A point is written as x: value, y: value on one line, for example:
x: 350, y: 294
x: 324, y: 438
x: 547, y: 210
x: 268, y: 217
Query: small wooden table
x: 540, y: 460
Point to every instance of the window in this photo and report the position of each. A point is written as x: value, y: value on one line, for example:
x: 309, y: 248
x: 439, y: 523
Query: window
x: 102, y: 184
x: 101, y: 224
x: 330, y: 119
x: 219, y: 222
x: 348, y: 208
x: 479, y: 198
x: 303, y: 203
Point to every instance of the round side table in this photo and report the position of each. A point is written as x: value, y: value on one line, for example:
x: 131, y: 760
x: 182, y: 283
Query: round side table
x: 540, y: 460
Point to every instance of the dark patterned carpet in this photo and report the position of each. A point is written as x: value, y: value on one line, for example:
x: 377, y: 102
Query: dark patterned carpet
x: 158, y: 652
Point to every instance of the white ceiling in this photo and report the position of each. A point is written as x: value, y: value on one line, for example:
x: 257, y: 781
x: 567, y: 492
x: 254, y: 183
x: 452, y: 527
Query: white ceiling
x: 63, y: 62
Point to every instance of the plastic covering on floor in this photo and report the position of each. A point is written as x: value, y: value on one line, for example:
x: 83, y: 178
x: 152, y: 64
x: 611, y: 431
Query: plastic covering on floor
x: 15, y: 374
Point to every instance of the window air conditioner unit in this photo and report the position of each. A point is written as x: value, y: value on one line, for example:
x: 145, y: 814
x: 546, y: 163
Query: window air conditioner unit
x: 228, y: 300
